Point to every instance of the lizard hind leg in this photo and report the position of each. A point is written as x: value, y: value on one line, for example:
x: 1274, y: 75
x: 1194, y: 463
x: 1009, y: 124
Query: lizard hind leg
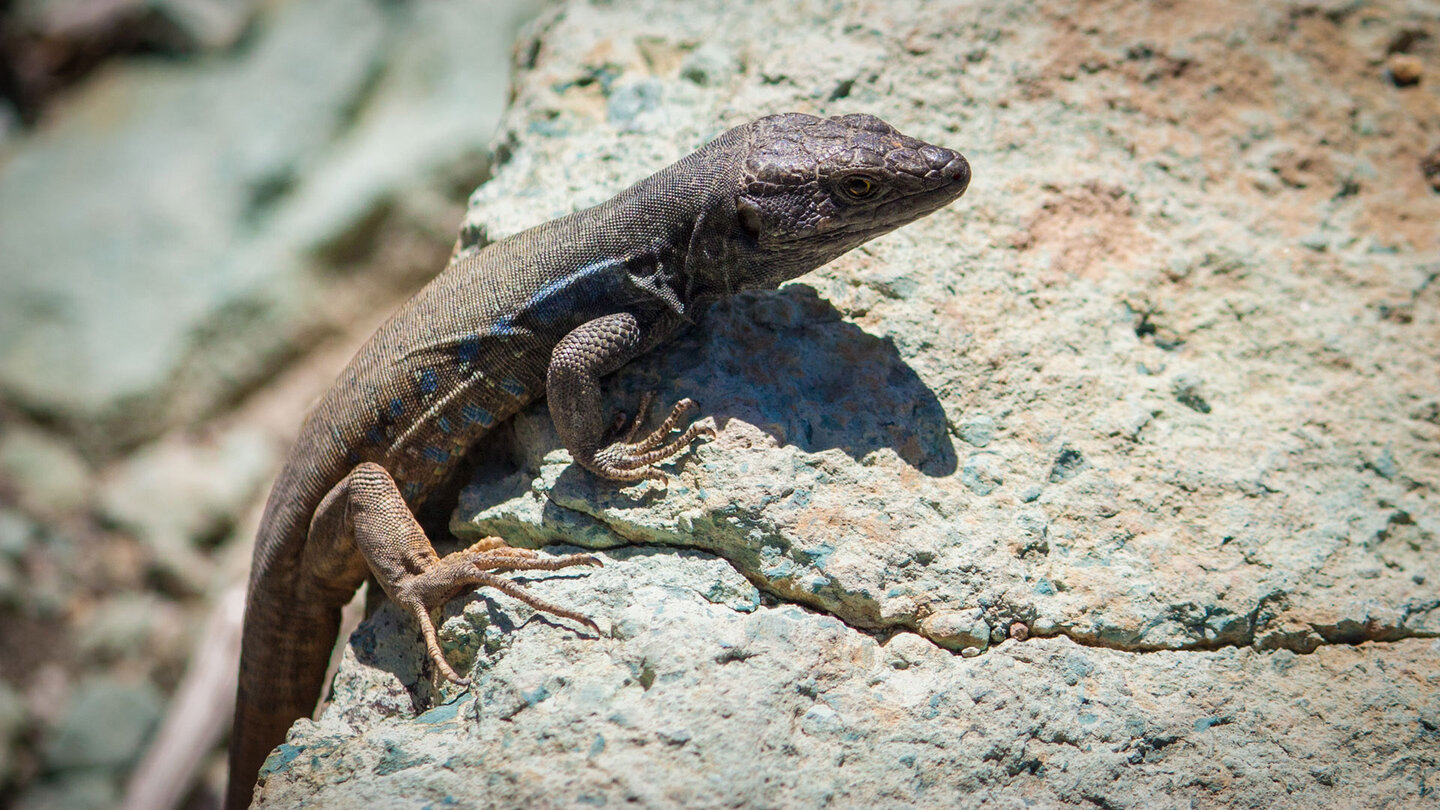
x: 392, y: 543
x: 432, y: 587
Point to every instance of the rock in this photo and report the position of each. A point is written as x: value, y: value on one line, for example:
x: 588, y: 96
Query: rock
x: 978, y: 430
x: 10, y: 579
x: 1404, y: 69
x: 687, y: 702
x: 205, y: 487
x: 982, y: 473
x: 1068, y: 464
x: 86, y: 790
x: 1187, y: 392
x: 53, y: 44
x: 177, y: 26
x: 957, y: 629
x: 135, y: 627
x: 104, y: 725
x: 709, y: 64
x: 803, y: 479
x: 1196, y: 551
x: 38, y: 570
x: 49, y: 476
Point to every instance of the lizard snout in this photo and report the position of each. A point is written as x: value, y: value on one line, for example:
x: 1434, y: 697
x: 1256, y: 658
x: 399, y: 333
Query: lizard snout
x: 948, y: 164
x: 957, y: 168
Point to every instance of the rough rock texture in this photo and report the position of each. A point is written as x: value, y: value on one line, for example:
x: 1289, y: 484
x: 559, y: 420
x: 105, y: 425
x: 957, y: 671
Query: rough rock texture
x: 1114, y: 484
x: 698, y: 698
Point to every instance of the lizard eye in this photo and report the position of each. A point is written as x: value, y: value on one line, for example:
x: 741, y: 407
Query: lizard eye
x: 857, y: 186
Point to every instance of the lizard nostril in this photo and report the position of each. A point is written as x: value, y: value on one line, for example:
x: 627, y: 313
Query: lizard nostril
x: 958, y: 169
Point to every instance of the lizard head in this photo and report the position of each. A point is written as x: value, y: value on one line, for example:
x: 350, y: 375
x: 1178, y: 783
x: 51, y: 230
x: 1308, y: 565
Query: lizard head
x: 810, y: 189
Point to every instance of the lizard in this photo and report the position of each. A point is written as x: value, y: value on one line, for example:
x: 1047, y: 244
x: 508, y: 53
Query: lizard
x: 546, y: 312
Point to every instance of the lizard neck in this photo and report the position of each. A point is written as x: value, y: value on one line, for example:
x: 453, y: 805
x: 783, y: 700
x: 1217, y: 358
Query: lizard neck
x: 674, y: 230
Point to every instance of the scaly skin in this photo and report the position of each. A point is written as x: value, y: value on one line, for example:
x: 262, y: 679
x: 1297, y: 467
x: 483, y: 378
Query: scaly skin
x: 547, y: 312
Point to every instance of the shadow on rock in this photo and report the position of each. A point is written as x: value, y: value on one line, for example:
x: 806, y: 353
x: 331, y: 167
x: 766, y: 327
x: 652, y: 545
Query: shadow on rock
x: 789, y: 363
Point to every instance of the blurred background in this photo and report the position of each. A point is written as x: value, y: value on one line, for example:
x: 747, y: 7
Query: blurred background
x: 205, y: 205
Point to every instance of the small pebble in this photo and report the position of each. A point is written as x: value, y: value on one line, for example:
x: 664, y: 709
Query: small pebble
x: 1019, y: 631
x: 1404, y: 69
x: 978, y: 430
x: 982, y: 473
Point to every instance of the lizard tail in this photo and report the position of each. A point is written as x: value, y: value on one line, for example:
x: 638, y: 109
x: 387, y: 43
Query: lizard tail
x: 283, y: 661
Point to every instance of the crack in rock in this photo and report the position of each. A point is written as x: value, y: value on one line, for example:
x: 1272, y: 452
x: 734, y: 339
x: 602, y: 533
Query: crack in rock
x: 863, y: 614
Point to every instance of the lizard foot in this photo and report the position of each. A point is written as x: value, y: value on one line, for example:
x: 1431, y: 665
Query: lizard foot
x: 442, y: 578
x: 631, y: 460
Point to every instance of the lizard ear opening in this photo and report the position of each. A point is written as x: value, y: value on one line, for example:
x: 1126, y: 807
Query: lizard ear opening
x: 749, y: 215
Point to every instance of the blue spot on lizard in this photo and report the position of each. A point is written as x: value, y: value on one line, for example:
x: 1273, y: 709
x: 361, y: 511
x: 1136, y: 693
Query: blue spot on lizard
x: 467, y: 351
x: 474, y: 414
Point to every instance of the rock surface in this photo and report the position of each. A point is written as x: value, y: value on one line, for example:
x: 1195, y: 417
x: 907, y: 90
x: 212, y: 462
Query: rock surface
x: 696, y: 697
x: 1113, y: 484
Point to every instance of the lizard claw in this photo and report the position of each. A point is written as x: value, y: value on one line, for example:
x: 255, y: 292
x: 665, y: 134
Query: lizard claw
x: 441, y: 578
x: 631, y: 460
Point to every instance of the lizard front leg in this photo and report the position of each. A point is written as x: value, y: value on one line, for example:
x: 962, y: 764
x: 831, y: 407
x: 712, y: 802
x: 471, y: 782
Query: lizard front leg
x: 366, y: 508
x: 572, y: 386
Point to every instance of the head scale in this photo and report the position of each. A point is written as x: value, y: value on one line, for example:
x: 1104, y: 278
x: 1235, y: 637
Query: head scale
x: 810, y: 189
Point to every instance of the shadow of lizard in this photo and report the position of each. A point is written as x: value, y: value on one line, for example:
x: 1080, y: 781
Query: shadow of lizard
x: 788, y: 363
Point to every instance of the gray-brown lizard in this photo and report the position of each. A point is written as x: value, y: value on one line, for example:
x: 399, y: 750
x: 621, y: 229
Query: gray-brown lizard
x: 546, y: 312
